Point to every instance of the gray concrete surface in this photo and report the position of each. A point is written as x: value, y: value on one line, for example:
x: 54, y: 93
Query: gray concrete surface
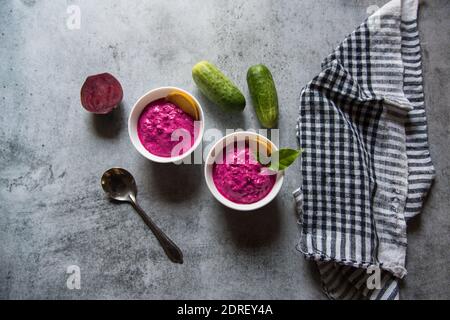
x: 52, y: 210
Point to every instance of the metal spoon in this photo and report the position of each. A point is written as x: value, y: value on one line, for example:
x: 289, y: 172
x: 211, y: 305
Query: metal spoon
x: 120, y: 185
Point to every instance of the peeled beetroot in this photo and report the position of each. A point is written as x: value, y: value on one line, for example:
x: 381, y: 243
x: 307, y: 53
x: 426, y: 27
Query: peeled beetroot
x: 101, y: 93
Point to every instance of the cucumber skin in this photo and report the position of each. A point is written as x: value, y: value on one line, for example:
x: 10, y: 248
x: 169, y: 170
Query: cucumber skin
x: 217, y: 87
x: 264, y: 95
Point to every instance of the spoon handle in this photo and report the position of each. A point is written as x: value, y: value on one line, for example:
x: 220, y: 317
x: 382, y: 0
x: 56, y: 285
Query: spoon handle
x: 170, y: 248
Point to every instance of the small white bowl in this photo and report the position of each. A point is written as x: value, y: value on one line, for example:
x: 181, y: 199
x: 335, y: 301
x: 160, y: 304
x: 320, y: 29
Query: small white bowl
x: 136, y: 111
x: 217, y: 150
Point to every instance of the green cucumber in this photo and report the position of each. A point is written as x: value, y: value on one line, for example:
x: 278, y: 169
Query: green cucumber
x: 217, y: 87
x: 264, y: 95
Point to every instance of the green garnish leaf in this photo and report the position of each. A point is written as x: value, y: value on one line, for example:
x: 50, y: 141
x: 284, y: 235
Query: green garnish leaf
x: 283, y: 158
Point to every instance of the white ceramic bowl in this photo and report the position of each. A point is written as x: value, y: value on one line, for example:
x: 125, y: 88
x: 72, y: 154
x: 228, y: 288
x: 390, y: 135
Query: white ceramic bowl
x: 216, y: 150
x: 136, y: 111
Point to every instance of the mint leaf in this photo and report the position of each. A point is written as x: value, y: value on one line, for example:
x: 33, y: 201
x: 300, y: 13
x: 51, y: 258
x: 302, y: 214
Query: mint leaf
x: 283, y: 158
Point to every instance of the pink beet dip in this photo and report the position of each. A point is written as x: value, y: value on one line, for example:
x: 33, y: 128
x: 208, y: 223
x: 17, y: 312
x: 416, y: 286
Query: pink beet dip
x: 239, y: 177
x: 158, y: 121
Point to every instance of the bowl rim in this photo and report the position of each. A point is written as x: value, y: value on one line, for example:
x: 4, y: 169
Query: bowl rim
x: 228, y: 203
x: 134, y: 117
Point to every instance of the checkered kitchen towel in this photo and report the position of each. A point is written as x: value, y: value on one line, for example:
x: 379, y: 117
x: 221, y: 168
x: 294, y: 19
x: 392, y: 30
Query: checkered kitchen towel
x: 366, y: 167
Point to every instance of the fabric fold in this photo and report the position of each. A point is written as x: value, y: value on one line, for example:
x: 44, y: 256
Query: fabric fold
x: 366, y: 167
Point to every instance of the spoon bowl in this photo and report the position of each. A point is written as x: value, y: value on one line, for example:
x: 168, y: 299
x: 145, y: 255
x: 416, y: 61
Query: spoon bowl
x: 119, y: 184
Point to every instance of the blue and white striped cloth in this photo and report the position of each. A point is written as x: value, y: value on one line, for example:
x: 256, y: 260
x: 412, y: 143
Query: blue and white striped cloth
x: 366, y: 168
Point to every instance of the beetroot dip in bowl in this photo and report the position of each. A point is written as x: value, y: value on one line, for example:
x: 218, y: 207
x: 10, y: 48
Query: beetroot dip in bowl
x: 234, y: 176
x: 239, y: 177
x: 156, y: 124
x: 160, y: 130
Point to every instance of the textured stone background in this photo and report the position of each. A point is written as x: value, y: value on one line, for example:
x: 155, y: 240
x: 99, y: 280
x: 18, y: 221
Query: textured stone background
x: 52, y: 209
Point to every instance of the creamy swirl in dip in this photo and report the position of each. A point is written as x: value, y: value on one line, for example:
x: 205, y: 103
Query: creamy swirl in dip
x: 239, y: 177
x: 158, y: 121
